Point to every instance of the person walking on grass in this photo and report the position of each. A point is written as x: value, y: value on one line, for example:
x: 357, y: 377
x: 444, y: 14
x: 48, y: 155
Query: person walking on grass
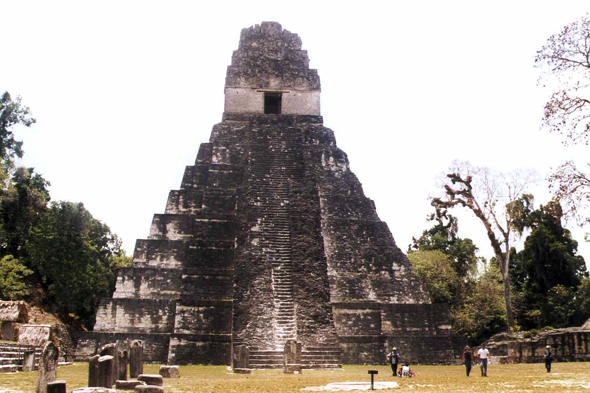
x: 467, y: 359
x: 483, y: 355
x: 548, y: 356
x: 393, y: 358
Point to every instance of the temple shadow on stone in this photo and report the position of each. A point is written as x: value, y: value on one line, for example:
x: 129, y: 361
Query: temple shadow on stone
x: 270, y: 238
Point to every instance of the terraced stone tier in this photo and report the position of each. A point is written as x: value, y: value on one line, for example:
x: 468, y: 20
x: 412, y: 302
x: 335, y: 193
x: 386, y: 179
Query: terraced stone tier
x: 12, y: 356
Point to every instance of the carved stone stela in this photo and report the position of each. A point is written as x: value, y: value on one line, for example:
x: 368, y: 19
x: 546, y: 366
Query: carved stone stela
x: 270, y: 238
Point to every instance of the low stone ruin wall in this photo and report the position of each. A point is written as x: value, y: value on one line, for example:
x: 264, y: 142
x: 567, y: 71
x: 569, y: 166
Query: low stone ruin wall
x: 568, y: 345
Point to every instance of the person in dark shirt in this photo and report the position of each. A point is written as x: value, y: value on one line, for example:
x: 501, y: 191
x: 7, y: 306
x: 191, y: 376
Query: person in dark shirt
x: 467, y: 359
x: 548, y: 358
x: 393, y: 357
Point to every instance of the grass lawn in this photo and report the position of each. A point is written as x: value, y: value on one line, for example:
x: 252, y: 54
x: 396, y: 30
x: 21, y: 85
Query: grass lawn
x: 565, y: 377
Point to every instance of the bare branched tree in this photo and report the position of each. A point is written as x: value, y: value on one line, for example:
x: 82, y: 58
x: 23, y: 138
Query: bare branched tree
x: 496, y: 200
x: 571, y: 187
x: 566, y: 59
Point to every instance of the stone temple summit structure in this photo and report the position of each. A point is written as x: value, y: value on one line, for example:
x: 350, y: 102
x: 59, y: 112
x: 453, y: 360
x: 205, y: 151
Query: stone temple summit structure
x: 270, y: 238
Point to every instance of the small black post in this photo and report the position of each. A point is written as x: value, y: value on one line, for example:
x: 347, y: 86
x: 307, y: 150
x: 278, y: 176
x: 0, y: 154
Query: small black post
x: 373, y: 372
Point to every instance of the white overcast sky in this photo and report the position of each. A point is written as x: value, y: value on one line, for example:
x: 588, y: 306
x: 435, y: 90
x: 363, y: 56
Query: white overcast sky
x: 125, y: 91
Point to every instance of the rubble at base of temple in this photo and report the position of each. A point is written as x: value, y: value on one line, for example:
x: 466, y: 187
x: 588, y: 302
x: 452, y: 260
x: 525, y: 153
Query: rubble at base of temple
x: 269, y: 239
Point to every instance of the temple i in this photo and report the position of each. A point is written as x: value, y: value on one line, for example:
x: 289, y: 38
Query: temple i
x: 270, y: 238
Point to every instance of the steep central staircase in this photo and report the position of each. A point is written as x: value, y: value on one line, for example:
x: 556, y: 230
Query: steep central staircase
x: 276, y: 161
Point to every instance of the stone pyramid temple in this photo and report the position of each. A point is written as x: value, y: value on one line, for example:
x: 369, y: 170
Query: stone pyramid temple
x: 270, y: 238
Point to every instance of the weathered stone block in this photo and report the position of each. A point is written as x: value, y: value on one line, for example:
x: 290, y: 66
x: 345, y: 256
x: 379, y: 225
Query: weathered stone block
x: 151, y: 379
x: 149, y: 389
x: 170, y: 371
x: 241, y: 357
x: 93, y: 371
x: 128, y: 385
x: 106, y: 371
x: 135, y: 358
x: 29, y: 360
x: 57, y: 387
x: 47, y: 367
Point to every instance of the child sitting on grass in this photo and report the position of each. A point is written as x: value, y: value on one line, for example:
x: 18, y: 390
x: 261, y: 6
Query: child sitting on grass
x: 405, y: 371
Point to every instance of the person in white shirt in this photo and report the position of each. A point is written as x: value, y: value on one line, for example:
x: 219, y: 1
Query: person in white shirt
x: 483, y: 355
x: 406, y: 371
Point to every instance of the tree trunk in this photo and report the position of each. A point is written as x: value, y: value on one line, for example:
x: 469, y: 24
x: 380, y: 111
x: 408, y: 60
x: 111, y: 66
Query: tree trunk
x: 507, y: 290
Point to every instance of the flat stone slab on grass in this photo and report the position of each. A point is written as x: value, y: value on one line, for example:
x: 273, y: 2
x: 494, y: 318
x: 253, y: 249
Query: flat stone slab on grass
x: 242, y: 371
x: 149, y: 389
x: 350, y: 386
x: 170, y: 371
x: 151, y: 379
x: 94, y: 390
x: 127, y: 385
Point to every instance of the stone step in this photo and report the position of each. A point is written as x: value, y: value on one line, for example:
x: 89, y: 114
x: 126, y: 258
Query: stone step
x: 321, y: 365
x: 12, y: 355
x: 8, y: 361
x: 264, y: 357
x: 10, y: 368
x: 319, y: 358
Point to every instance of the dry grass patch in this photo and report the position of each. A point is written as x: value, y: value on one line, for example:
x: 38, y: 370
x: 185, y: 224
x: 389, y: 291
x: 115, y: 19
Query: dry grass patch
x: 566, y: 377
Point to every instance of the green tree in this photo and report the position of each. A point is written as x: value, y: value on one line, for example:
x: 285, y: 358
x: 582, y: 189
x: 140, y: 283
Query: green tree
x: 492, y: 197
x: 434, y: 270
x: 583, y: 300
x: 547, y: 270
x: 12, y: 112
x: 72, y: 252
x: 443, y: 237
x: 23, y: 193
x: 560, y: 308
x: 482, y: 313
x: 12, y: 278
x: 22, y: 205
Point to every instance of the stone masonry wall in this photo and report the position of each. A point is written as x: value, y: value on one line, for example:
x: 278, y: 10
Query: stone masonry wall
x: 181, y: 282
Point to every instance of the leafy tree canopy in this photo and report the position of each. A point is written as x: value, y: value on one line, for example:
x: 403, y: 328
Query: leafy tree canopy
x: 434, y: 270
x: 483, y: 312
x: 72, y: 253
x: 12, y: 278
x: 12, y: 112
x: 443, y: 237
x: 22, y: 205
x: 547, y: 271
